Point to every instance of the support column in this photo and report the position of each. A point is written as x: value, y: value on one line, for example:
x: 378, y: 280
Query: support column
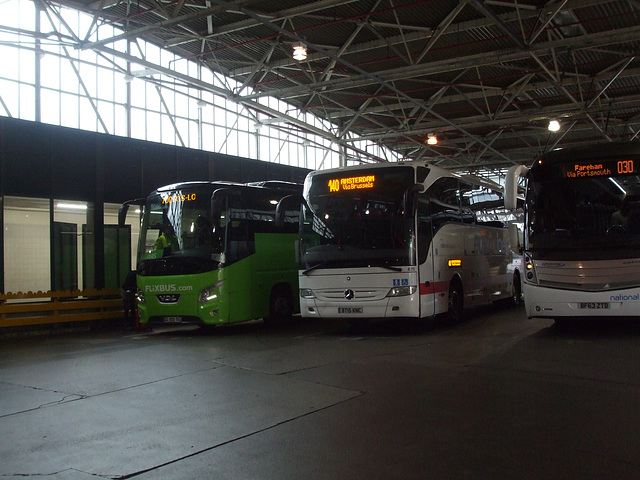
x: 37, y: 66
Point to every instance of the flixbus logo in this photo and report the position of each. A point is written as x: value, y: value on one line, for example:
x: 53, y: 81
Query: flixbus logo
x: 167, y: 288
x: 625, y: 298
x: 161, y: 288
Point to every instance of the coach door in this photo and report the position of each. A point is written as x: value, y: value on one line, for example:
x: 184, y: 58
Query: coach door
x: 425, y: 257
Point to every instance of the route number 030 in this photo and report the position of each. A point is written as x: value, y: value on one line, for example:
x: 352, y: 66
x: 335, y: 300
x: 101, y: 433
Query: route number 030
x: 625, y: 166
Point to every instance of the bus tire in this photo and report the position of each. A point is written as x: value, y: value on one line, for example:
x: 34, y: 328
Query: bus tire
x: 456, y: 301
x: 280, y: 306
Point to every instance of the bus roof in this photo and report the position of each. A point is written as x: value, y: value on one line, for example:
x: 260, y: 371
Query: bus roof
x: 268, y: 184
x: 276, y: 185
x: 368, y: 166
x: 593, y: 151
x: 177, y: 186
x: 413, y: 164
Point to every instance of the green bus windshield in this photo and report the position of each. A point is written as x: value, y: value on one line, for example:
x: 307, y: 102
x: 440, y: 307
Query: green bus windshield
x: 195, y: 228
x: 177, y: 228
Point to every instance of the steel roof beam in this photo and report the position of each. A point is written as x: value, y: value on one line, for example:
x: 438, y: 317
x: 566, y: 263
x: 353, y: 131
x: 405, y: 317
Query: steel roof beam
x: 408, y: 72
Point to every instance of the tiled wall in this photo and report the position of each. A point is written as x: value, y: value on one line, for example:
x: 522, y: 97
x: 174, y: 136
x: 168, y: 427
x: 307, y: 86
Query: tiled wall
x: 27, y: 256
x: 27, y: 263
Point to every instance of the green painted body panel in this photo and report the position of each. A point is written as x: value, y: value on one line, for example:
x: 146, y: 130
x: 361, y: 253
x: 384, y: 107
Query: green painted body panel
x: 244, y: 292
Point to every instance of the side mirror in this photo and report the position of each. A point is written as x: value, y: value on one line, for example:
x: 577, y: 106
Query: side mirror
x: 515, y: 238
x: 285, y: 204
x: 410, y: 199
x: 511, y: 186
x: 122, y: 214
x: 124, y: 208
x: 217, y: 202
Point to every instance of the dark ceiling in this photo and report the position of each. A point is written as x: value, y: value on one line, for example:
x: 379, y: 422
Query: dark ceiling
x: 484, y: 76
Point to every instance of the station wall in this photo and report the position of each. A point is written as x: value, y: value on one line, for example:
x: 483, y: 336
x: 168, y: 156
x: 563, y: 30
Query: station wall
x: 53, y: 176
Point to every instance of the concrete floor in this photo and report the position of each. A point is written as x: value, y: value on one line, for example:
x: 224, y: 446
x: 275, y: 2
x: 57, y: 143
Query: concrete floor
x: 496, y: 396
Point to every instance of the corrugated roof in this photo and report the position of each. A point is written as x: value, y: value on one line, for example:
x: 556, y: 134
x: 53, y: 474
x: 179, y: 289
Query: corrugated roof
x: 486, y: 75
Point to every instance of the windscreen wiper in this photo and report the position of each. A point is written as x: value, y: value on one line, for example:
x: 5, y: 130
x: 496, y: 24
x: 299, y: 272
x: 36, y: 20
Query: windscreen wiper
x: 317, y: 265
x: 387, y: 266
x: 381, y: 265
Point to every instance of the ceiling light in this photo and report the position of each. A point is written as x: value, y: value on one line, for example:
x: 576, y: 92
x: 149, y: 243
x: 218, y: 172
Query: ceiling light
x: 432, y: 139
x: 554, y: 126
x: 300, y: 52
x: 72, y: 206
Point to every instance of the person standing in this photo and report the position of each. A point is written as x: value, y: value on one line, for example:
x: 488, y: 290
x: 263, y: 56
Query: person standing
x: 129, y: 288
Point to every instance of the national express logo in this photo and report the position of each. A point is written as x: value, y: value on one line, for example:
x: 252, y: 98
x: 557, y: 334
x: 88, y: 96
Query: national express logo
x: 625, y: 298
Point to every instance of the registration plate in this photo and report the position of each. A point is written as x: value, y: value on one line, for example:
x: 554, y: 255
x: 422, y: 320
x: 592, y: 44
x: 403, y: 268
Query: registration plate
x: 349, y: 309
x: 172, y: 319
x: 594, y: 305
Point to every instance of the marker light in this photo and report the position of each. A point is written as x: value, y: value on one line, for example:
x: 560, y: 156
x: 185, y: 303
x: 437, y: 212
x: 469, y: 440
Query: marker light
x: 530, y: 273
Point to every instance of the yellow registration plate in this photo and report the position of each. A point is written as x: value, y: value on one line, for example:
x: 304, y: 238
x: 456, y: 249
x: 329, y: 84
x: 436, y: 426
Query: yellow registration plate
x: 594, y: 305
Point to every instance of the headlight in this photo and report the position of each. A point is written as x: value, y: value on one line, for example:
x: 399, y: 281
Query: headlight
x: 402, y: 291
x: 306, y: 293
x: 140, y: 297
x: 209, y: 293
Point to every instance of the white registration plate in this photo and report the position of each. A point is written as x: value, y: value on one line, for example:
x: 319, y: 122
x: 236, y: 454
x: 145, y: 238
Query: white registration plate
x: 349, y: 309
x: 594, y: 305
x: 172, y: 319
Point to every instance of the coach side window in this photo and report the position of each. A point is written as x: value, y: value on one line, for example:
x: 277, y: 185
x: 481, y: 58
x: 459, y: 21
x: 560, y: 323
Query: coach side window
x: 445, y: 204
x: 425, y: 233
x: 466, y: 210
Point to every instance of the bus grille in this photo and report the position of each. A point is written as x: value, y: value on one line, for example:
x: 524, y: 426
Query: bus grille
x: 168, y: 298
x: 345, y: 294
x: 591, y: 276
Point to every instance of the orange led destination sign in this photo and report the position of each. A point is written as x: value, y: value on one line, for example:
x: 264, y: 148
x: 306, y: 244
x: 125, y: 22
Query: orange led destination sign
x: 352, y: 183
x: 178, y: 197
x: 599, y: 169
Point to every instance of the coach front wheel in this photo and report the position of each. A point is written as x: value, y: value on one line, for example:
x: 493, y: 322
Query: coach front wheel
x: 280, y: 306
x: 456, y: 301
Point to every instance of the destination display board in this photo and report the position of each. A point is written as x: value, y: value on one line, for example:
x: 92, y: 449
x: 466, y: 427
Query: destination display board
x: 599, y: 168
x: 178, y: 197
x: 361, y: 182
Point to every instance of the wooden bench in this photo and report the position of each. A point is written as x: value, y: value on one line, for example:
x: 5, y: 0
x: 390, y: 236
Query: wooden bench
x: 40, y: 308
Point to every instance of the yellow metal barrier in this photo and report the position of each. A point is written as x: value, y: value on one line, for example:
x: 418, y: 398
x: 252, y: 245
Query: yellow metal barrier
x: 23, y: 309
